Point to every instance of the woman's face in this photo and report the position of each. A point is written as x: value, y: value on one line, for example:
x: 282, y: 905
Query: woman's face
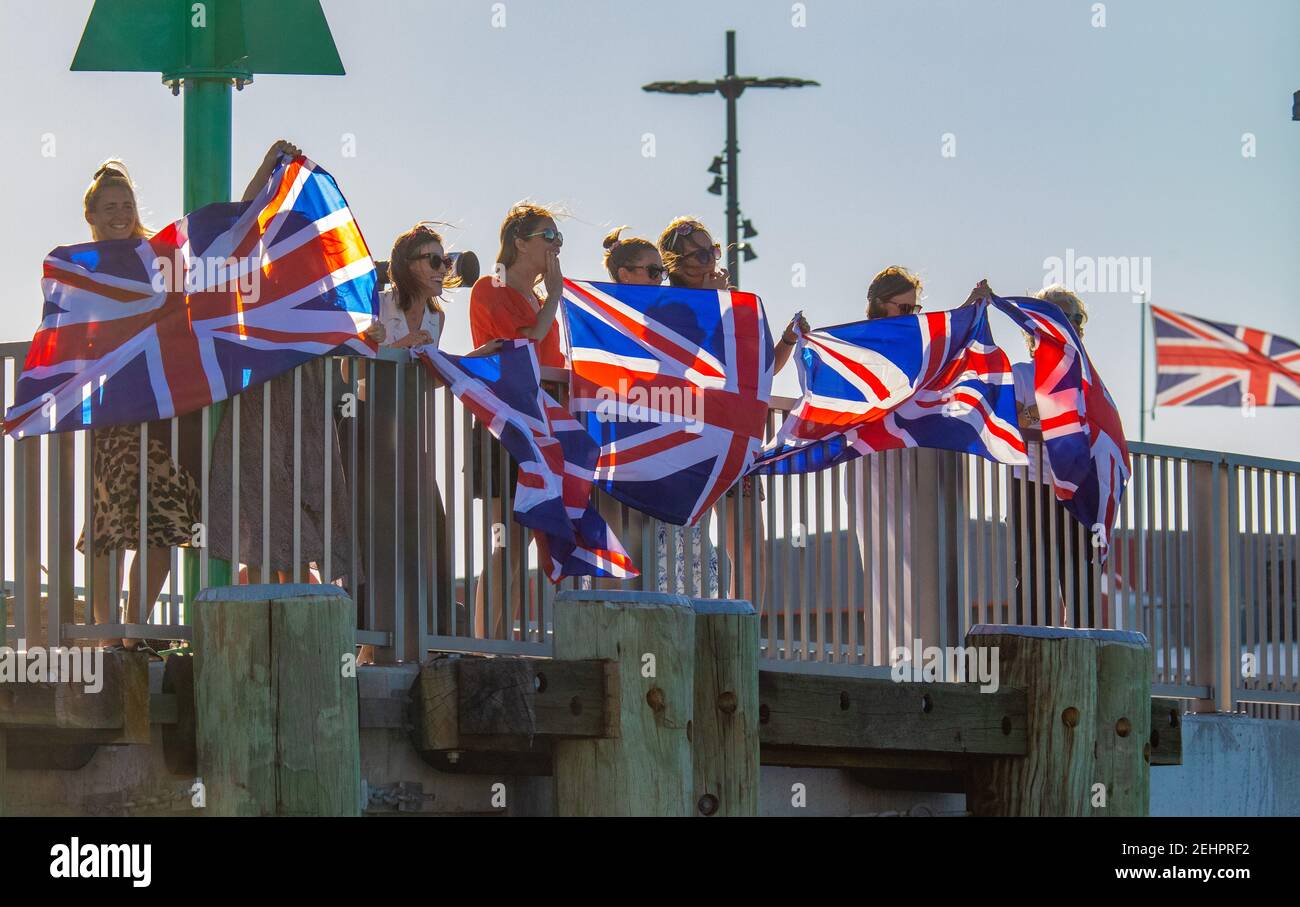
x: 113, y: 215
x: 534, y: 246
x: 899, y: 304
x: 427, y: 267
x: 696, y: 258
x: 645, y: 269
x: 1075, y: 314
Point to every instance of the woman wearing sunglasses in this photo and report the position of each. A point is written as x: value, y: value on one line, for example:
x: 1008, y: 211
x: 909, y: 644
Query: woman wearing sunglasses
x: 507, y: 305
x: 692, y: 258
x: 1031, y: 491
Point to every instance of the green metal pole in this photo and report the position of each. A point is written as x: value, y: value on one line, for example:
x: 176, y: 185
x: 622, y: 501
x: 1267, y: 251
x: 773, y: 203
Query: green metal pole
x: 207, y: 179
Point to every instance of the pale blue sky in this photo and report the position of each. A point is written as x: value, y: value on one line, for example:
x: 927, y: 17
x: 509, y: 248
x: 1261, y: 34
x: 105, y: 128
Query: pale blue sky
x: 1117, y: 141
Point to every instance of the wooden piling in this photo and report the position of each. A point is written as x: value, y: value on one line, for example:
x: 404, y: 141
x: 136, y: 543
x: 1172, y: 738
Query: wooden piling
x: 1076, y: 682
x: 724, y: 736
x: 275, y: 709
x: 644, y: 767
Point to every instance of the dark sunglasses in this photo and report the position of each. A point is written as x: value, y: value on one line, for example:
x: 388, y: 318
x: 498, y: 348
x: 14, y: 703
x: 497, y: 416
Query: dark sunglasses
x: 703, y: 256
x: 549, y: 234
x: 446, y: 261
x: 654, y: 272
x: 1078, y: 319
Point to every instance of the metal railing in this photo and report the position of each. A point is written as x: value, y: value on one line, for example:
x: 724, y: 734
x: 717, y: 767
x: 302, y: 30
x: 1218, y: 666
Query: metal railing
x: 905, y: 549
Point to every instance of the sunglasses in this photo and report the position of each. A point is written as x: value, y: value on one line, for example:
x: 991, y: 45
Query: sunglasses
x: 1078, y: 319
x: 549, y: 234
x: 904, y: 308
x: 654, y: 272
x: 446, y: 261
x: 705, y: 256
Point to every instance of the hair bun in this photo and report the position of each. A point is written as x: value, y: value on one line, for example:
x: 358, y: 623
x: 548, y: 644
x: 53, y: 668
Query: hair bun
x: 612, y: 238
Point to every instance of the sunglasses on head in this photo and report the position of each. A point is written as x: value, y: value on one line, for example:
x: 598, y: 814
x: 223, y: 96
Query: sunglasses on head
x: 549, y: 234
x: 434, y: 260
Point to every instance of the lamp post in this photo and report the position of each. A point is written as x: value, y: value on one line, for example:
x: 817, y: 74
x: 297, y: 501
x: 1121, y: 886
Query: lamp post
x: 730, y: 87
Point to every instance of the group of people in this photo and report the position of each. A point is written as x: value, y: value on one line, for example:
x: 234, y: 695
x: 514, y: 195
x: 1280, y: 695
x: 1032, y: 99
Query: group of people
x: 520, y: 299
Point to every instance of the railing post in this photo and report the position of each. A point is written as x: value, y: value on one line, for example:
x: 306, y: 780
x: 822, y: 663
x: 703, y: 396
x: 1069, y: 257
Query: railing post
x: 60, y: 451
x: 1211, y: 572
x: 27, y: 538
x: 724, y: 737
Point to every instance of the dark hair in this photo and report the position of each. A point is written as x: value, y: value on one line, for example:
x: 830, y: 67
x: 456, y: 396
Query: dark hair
x: 399, y: 265
x: 619, y: 253
x: 518, y: 223
x: 889, y: 283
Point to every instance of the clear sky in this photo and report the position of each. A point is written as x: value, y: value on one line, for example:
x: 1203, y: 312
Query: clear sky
x: 1119, y: 140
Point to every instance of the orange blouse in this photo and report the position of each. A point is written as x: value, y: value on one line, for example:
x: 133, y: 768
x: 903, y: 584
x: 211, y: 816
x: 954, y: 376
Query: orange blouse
x: 502, y: 313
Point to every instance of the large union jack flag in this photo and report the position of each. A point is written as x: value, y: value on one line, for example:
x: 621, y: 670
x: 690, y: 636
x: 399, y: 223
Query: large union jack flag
x: 935, y: 379
x: 227, y: 297
x: 1082, y: 432
x: 1209, y: 363
x: 673, y: 384
x: 557, y: 460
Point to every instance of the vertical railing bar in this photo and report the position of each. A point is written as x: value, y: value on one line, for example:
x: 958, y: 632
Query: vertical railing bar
x: 804, y: 635
x: 789, y: 580
x: 449, y: 481
x: 400, y: 431
x: 1026, y: 488
x: 372, y: 407
x: 173, y: 597
x: 205, y: 463
x: 142, y: 555
x: 1171, y: 601
x: 488, y: 529
x: 874, y: 627
x: 838, y: 585
x: 817, y: 578
x: 297, y: 474
x: 468, y: 434
x: 235, y: 402
x: 1248, y: 567
x: 508, y: 558
x: 983, y: 550
x: 1042, y: 608
x: 327, y: 492
x: 267, y: 575
x: 425, y: 509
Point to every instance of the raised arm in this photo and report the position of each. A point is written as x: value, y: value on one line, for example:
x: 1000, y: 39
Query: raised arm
x: 554, y: 292
x: 268, y: 165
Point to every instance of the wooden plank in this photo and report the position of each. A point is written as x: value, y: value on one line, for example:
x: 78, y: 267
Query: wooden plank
x: 68, y: 711
x: 528, y: 697
x: 178, y: 737
x: 1123, y: 729
x: 868, y: 713
x: 1166, y: 732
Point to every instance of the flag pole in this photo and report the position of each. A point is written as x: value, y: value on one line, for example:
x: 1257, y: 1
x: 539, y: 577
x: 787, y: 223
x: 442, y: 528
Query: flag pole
x: 1142, y: 372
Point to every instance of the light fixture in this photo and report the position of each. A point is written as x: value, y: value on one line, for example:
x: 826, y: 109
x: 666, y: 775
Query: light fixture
x: 748, y: 251
x: 747, y: 230
x: 716, y: 188
x: 716, y: 166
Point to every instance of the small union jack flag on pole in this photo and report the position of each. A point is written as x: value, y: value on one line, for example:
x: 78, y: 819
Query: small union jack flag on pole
x: 227, y: 297
x: 1210, y: 363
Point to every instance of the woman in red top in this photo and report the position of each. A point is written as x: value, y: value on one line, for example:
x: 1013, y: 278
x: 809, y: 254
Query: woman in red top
x: 506, y: 305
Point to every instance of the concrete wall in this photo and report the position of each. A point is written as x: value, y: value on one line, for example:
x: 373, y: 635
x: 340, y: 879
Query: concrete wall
x: 1232, y: 766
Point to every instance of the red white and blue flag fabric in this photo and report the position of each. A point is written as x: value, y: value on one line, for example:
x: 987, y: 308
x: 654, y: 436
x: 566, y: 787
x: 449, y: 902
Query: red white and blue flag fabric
x: 1082, y: 432
x: 227, y: 297
x: 557, y: 459
x: 673, y: 384
x: 935, y: 379
x: 1210, y: 363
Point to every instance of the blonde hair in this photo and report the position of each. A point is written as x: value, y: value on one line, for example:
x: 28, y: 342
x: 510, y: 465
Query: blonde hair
x: 670, y: 242
x: 112, y: 174
x: 1061, y: 297
x: 519, y: 221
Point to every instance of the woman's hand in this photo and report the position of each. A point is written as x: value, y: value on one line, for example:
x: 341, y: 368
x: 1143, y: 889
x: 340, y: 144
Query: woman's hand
x: 376, y: 332
x: 1027, y: 416
x: 281, y: 146
x: 790, y: 336
x: 981, y: 291
x: 415, y: 338
x: 554, y: 278
x: 488, y: 349
x: 718, y: 280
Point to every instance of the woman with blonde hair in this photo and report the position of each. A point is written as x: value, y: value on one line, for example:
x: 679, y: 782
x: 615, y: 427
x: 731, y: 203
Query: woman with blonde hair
x: 506, y: 305
x: 172, y: 493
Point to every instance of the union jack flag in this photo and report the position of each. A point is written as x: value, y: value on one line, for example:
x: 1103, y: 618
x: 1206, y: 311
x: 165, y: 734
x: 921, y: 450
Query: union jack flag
x: 673, y: 384
x: 1082, y: 432
x: 1209, y: 363
x: 935, y: 379
x: 557, y: 460
x: 227, y: 297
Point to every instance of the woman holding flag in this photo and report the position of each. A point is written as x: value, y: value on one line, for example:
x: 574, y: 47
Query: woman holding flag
x: 692, y: 257
x: 172, y: 493
x: 506, y: 305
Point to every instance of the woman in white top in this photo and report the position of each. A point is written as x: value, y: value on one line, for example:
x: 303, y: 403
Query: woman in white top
x: 1031, y: 491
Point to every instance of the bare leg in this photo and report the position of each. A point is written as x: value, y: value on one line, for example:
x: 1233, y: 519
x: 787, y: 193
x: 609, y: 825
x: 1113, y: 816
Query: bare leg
x: 104, y: 599
x: 742, y: 561
x: 497, y: 567
x: 158, y: 568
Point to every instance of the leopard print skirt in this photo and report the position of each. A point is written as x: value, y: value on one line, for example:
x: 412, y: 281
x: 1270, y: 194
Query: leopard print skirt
x: 173, y: 494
